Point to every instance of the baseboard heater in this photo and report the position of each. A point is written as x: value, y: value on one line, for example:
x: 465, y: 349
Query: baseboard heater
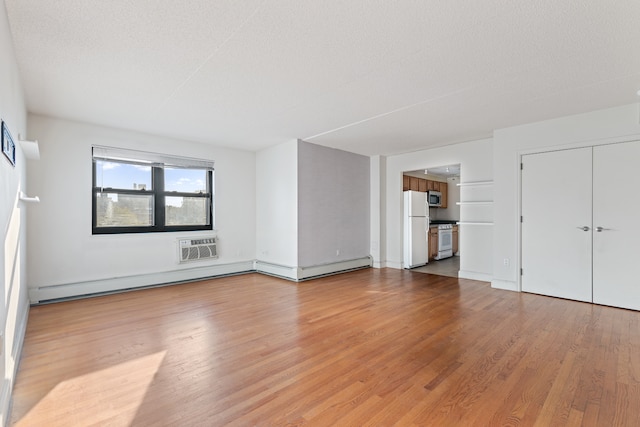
x: 53, y: 293
x: 61, y: 292
x: 299, y: 274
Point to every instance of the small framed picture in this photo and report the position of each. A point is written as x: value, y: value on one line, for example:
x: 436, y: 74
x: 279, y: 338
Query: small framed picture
x: 8, y: 146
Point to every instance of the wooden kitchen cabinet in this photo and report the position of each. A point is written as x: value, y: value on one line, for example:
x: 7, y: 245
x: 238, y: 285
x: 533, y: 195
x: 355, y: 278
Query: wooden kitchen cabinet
x: 454, y: 239
x: 433, y: 241
x: 444, y: 190
x: 406, y: 184
x: 414, y: 183
x: 423, y: 185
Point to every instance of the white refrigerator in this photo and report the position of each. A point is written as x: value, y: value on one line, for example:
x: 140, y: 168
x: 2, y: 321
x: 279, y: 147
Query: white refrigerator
x: 416, y: 229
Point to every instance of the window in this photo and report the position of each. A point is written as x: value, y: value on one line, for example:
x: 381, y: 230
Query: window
x: 137, y: 192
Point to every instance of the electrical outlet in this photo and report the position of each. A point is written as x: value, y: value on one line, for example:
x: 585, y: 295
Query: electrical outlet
x: 505, y: 262
x: 337, y: 252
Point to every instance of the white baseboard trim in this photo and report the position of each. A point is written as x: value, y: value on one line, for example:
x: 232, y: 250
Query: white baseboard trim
x: 81, y: 289
x: 473, y: 275
x: 379, y: 264
x: 333, y: 268
x: 303, y: 273
x: 53, y: 293
x: 507, y: 285
x: 396, y: 265
x: 115, y: 284
x: 278, y: 270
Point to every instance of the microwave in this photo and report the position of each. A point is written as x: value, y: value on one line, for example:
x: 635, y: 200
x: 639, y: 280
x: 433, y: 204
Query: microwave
x: 434, y: 198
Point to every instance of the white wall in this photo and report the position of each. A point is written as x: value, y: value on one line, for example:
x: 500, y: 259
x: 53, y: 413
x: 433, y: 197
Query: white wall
x: 277, y: 204
x: 62, y: 250
x: 14, y: 304
x: 378, y: 222
x: 452, y: 211
x: 598, y: 127
x: 333, y: 205
x: 476, y: 160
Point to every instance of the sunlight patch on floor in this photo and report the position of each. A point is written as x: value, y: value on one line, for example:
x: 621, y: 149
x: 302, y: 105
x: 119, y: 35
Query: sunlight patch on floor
x: 117, y: 393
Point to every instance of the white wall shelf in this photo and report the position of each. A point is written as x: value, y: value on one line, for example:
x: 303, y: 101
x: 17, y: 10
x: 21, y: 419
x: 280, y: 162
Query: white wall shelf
x: 475, y: 202
x: 474, y: 183
x: 30, y: 149
x: 24, y: 198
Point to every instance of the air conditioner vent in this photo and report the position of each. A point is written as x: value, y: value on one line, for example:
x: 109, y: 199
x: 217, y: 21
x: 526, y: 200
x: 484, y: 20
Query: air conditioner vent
x: 197, y: 249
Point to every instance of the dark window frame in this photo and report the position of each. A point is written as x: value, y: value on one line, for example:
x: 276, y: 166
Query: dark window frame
x: 158, y: 199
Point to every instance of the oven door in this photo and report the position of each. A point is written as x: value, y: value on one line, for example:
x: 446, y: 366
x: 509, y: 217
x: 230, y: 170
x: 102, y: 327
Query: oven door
x: 445, y: 243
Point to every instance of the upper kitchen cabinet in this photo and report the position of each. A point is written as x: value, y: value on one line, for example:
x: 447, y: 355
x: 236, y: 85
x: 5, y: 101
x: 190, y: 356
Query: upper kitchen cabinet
x: 406, y: 183
x: 444, y: 190
x: 414, y: 184
x: 420, y: 184
x: 434, y: 179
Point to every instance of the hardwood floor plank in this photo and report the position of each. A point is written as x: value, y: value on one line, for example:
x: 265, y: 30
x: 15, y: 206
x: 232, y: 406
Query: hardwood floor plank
x: 375, y: 347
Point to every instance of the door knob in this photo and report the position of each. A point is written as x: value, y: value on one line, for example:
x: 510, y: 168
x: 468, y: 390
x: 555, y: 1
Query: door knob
x: 585, y: 228
x: 600, y: 229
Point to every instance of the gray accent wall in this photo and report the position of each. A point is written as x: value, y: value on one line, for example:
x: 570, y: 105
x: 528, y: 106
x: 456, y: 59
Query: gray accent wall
x: 333, y: 205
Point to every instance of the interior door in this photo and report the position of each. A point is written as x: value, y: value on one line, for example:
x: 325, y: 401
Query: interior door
x: 615, y: 209
x: 556, y: 227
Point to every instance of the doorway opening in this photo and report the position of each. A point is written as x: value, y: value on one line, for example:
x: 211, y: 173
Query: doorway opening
x: 441, y: 180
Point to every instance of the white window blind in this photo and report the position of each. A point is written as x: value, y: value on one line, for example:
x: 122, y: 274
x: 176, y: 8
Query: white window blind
x: 148, y: 158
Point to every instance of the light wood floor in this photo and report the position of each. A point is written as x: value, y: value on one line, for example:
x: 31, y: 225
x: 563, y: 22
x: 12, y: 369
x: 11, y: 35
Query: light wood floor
x: 371, y: 347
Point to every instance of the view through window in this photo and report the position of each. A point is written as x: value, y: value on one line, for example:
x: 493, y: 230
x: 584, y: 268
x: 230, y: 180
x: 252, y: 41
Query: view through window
x: 137, y: 195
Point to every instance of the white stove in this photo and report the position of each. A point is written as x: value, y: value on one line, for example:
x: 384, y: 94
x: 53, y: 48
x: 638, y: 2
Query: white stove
x: 445, y: 241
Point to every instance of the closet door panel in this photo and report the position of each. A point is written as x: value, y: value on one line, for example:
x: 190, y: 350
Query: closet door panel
x: 556, y: 205
x: 616, y: 208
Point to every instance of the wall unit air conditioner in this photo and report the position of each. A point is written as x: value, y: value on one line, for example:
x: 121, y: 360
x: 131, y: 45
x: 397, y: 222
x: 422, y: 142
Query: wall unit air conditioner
x: 197, y: 249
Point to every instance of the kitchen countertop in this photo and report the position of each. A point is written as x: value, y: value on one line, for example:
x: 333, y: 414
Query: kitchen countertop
x: 438, y: 222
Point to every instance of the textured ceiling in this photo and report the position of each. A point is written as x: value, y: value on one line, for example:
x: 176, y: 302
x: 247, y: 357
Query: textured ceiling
x: 372, y: 77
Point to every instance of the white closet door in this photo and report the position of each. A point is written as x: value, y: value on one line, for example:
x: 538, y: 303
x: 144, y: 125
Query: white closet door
x: 616, y: 191
x: 556, y: 205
